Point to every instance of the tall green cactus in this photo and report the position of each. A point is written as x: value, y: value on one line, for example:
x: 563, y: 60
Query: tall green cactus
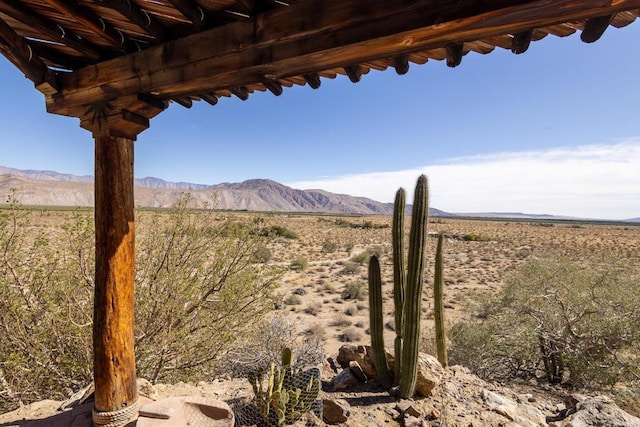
x: 413, y: 289
x: 438, y: 311
x: 407, y: 293
x: 375, y: 320
x: 399, y: 274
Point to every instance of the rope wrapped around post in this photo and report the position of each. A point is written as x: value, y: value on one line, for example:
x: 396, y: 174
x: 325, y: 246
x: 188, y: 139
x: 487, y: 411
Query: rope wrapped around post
x: 117, y: 418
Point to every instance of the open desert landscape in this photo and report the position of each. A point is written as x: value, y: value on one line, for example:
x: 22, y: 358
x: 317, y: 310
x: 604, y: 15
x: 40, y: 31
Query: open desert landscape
x: 322, y: 293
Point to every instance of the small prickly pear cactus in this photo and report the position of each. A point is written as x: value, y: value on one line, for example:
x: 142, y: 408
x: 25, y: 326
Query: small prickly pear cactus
x: 289, y: 393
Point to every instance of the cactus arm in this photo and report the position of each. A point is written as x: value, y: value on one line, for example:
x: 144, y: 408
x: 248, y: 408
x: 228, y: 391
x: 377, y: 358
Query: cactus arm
x: 375, y: 322
x: 397, y: 237
x: 438, y: 286
x: 413, y: 291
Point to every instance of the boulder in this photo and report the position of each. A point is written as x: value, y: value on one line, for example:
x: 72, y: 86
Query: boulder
x: 597, y: 411
x: 360, y: 354
x: 345, y: 380
x: 521, y: 414
x: 335, y: 411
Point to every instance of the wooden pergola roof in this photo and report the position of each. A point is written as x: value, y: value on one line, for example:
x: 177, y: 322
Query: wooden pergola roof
x: 115, y: 64
x: 139, y: 54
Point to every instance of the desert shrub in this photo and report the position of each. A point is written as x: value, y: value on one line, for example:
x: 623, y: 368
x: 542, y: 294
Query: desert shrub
x: 293, y: 299
x: 361, y: 258
x: 278, y: 231
x: 262, y: 254
x: 350, y: 267
x: 45, y: 313
x: 340, y: 320
x: 313, y: 308
x: 355, y: 290
x: 329, y: 246
x: 351, y: 310
x: 472, y: 237
x: 348, y: 247
x: 566, y: 321
x: 196, y: 284
x: 255, y: 352
x: 300, y: 263
x: 350, y: 334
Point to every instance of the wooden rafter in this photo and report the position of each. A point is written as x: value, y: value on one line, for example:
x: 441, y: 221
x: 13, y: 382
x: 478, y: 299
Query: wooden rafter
x: 21, y: 54
x: 142, y: 19
x: 595, y: 28
x: 454, y: 54
x: 26, y: 15
x: 521, y: 41
x: 312, y: 79
x: 192, y: 11
x: 401, y: 64
x: 279, y: 45
x: 95, y: 23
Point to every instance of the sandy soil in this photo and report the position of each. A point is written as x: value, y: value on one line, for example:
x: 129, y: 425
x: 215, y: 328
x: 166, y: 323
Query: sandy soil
x: 315, y: 297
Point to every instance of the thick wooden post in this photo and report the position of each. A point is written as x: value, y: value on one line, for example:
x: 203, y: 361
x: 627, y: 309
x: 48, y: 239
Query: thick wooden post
x: 113, y: 342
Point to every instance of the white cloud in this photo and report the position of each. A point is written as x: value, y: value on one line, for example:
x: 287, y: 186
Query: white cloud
x: 592, y: 181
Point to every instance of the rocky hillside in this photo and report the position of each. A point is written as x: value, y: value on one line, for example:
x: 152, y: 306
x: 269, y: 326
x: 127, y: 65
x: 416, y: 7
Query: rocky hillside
x: 46, y: 188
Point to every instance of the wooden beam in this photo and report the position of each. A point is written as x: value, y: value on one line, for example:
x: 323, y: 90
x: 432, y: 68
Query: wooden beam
x: 401, y: 64
x: 354, y: 72
x: 114, y: 358
x: 94, y: 23
x: 595, y: 28
x: 333, y: 35
x: 21, y: 54
x: 454, y: 54
x: 18, y: 11
x: 312, y: 79
x: 521, y: 41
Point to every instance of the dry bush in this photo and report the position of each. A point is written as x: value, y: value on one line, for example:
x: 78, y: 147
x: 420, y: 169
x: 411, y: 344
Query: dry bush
x: 350, y: 334
x: 196, y: 284
x: 568, y: 321
x: 255, y: 353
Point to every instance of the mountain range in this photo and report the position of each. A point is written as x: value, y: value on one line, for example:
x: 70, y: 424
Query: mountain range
x: 48, y: 188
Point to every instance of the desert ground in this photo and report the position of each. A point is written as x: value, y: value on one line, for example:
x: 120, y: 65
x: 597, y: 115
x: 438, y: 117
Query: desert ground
x: 323, y: 290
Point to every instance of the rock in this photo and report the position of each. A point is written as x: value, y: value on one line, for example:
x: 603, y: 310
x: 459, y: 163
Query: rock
x: 300, y: 291
x: 598, y: 411
x: 335, y: 411
x: 188, y: 410
x: 360, y: 354
x: 407, y: 408
x: 430, y: 373
x: 521, y: 414
x: 410, y: 421
x: 571, y: 401
x: 357, y: 371
x: 146, y: 389
x: 345, y: 380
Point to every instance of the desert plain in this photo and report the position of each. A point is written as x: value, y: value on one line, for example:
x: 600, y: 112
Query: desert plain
x: 323, y: 289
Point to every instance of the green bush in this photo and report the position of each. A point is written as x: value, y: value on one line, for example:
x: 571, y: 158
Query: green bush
x: 472, y: 237
x: 355, y: 290
x: 278, y: 231
x: 196, y: 284
x: 300, y: 263
x: 560, y: 320
x: 329, y: 246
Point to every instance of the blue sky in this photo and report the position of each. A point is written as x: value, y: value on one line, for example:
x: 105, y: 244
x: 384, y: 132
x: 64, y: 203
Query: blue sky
x: 554, y: 130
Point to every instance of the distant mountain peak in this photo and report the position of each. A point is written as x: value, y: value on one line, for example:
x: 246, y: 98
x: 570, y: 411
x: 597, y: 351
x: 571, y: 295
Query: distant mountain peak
x: 55, y: 189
